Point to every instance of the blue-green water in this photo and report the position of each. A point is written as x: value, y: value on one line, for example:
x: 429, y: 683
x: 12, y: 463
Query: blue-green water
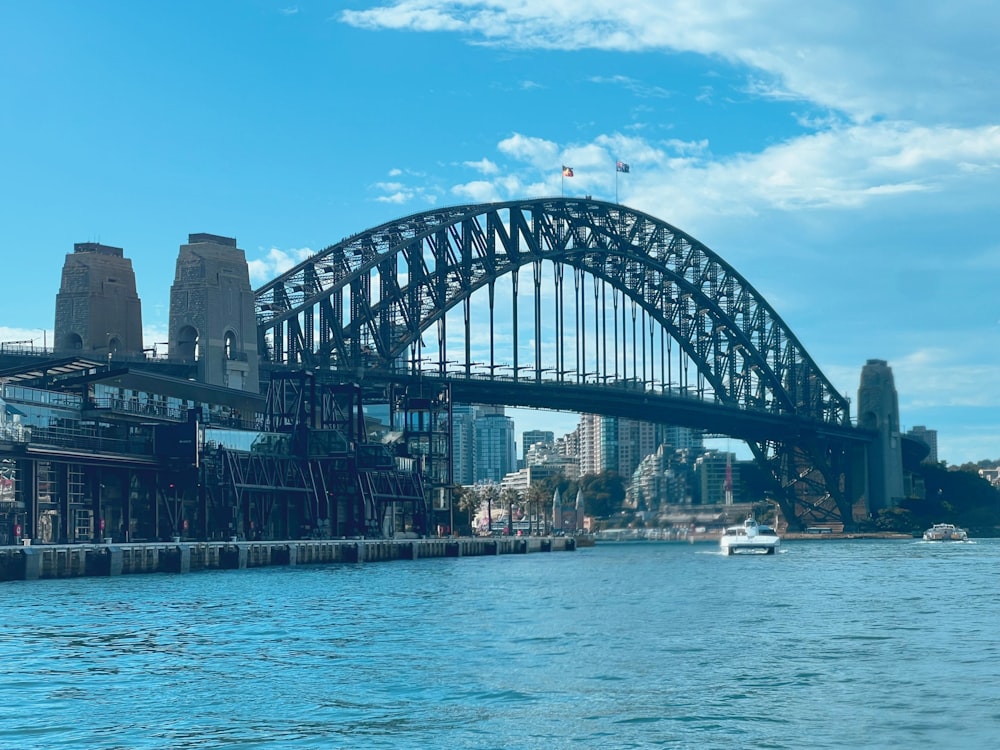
x: 829, y: 644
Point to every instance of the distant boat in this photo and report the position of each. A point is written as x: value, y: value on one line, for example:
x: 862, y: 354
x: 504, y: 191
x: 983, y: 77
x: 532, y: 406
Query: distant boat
x: 945, y: 532
x: 750, y: 537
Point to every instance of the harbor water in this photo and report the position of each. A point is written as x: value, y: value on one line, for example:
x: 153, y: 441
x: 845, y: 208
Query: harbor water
x: 828, y: 644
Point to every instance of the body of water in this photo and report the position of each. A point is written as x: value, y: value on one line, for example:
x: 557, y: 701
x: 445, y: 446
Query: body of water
x: 829, y: 644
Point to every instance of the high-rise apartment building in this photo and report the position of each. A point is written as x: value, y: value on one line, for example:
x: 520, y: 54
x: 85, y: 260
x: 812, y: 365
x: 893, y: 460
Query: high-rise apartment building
x: 463, y: 443
x: 717, y: 475
x: 530, y: 437
x: 614, y: 444
x: 495, y: 455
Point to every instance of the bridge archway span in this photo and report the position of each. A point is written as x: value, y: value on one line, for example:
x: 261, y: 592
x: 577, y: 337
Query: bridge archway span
x: 366, y: 302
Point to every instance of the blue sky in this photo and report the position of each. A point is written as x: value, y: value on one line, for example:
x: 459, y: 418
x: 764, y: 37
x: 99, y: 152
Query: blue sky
x: 844, y: 158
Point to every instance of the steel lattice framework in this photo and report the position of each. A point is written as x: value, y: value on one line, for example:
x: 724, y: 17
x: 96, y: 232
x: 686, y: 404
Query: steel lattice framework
x: 365, y: 303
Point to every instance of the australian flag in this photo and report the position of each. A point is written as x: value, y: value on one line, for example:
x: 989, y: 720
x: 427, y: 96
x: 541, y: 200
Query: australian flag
x: 622, y: 167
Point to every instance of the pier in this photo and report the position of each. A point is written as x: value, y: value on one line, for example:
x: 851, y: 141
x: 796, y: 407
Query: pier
x: 34, y: 562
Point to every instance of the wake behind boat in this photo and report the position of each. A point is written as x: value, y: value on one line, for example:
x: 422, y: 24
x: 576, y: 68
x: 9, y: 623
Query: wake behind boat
x: 945, y: 532
x: 751, y: 537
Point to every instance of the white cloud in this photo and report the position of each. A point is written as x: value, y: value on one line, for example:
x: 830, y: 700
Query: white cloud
x: 478, y: 191
x: 925, y: 59
x: 406, y: 15
x: 274, y: 263
x: 25, y: 338
x: 848, y: 167
x: 485, y: 166
x: 400, y: 193
x: 398, y: 197
x: 536, y: 151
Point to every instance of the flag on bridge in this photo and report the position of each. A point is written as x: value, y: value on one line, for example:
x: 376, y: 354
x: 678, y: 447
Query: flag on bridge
x: 567, y: 171
x: 620, y: 167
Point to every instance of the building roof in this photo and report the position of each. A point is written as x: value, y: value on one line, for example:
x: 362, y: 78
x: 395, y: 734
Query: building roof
x: 70, y: 373
x: 44, y: 371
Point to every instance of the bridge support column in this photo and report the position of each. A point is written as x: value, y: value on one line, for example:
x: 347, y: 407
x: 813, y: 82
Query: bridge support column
x: 878, y: 409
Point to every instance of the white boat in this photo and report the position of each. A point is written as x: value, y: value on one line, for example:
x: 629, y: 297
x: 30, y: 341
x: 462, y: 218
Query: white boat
x: 750, y: 537
x: 945, y: 532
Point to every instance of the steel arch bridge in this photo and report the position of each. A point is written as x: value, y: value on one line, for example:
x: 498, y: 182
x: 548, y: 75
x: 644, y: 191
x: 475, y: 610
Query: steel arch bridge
x: 623, y: 314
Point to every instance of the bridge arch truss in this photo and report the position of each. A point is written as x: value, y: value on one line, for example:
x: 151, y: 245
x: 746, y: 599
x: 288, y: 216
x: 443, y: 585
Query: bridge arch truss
x: 565, y: 291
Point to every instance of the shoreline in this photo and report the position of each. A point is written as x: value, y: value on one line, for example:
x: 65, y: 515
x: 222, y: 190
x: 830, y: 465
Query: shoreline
x: 33, y: 562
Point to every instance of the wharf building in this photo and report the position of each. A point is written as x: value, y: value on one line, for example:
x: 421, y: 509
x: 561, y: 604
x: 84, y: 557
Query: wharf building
x: 103, y: 440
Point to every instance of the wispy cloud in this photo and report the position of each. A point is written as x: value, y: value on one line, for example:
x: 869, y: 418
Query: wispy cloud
x: 637, y: 88
x: 401, y: 192
x: 932, y: 62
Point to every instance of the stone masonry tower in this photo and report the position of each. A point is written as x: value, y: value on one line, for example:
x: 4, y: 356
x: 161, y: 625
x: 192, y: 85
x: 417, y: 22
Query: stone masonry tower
x: 878, y: 409
x: 98, y: 312
x: 212, y: 316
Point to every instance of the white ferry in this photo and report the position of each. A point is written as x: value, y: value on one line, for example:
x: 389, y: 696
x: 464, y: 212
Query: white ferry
x: 750, y: 537
x: 945, y: 532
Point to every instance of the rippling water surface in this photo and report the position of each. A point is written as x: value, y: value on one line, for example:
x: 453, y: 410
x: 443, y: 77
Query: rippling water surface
x: 829, y: 644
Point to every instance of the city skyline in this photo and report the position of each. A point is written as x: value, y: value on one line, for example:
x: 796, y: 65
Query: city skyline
x: 844, y: 162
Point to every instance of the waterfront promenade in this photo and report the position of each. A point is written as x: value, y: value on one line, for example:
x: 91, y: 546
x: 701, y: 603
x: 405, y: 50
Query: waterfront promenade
x: 33, y: 562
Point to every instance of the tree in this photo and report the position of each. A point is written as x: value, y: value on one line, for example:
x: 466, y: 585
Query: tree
x: 958, y: 496
x: 537, y: 495
x: 467, y: 500
x: 491, y: 494
x: 603, y: 494
x: 508, y: 497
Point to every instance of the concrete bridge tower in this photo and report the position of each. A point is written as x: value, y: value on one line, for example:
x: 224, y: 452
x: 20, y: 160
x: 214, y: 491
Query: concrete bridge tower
x: 212, y: 314
x: 878, y: 409
x: 98, y: 312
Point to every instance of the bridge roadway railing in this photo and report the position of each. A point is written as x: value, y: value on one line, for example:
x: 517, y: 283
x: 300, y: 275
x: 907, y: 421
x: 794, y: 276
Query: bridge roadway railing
x: 626, y: 398
x: 33, y: 562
